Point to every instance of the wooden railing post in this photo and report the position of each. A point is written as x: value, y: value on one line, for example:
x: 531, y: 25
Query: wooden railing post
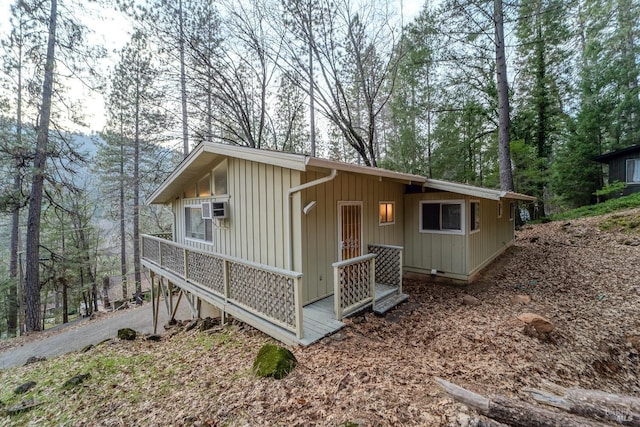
x: 185, y: 257
x: 227, y: 284
x: 400, y: 271
x: 372, y: 280
x: 297, y: 296
x: 337, y: 290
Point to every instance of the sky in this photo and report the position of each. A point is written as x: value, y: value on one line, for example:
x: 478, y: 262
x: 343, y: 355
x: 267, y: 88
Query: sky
x: 113, y: 31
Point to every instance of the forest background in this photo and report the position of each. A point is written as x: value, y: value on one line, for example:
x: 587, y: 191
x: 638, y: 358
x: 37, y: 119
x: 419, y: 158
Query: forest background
x: 370, y: 82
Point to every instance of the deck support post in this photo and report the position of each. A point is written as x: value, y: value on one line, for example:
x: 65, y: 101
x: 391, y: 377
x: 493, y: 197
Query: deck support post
x: 170, y: 294
x: 163, y: 290
x: 191, y: 300
x: 175, y: 309
x: 154, y: 309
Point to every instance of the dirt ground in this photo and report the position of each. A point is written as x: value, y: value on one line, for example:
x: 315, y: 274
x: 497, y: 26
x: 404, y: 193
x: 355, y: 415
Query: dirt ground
x: 379, y: 371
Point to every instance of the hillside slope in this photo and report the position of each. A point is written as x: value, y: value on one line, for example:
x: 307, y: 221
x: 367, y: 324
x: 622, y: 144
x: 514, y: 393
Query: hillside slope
x: 379, y: 370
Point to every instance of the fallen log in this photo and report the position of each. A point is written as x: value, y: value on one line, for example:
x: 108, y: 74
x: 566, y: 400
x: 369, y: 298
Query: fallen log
x: 515, y: 413
x: 624, y: 410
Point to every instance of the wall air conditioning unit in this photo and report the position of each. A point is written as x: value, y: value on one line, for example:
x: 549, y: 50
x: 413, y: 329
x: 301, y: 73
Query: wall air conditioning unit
x: 219, y: 210
x: 206, y: 210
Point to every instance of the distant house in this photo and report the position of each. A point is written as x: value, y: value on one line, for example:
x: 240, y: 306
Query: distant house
x: 624, y: 166
x: 291, y: 244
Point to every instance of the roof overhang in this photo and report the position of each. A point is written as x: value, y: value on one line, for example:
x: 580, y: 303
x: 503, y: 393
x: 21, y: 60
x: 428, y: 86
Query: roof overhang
x: 604, y: 158
x: 191, y: 168
x: 205, y: 154
x: 474, y: 191
x: 404, y: 178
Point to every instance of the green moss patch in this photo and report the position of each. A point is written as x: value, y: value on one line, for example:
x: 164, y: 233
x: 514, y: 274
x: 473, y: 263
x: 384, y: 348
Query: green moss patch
x: 624, y: 223
x: 274, y: 361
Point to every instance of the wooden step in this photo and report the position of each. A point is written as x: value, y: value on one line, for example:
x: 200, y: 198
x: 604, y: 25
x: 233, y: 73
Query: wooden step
x: 387, y: 303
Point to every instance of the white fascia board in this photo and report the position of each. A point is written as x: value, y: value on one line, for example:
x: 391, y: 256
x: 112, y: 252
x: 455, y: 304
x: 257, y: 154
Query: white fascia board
x: 365, y: 170
x: 517, y: 196
x: 472, y: 190
x: 182, y: 166
x: 275, y: 158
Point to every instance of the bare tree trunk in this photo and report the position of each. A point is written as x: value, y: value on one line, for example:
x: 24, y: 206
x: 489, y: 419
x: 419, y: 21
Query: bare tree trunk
x: 86, y: 257
x: 65, y: 300
x: 209, y: 118
x: 514, y: 413
x: 86, y: 304
x: 12, y: 314
x: 123, y: 236
x: 504, y: 150
x: 32, y: 290
x: 183, y: 83
x: 105, y: 292
x: 312, y: 105
x: 12, y: 309
x: 136, y: 201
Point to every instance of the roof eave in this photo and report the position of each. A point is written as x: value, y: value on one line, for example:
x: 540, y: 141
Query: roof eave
x: 517, y: 196
x: 184, y: 164
x: 474, y: 191
x: 286, y: 160
x: 365, y: 170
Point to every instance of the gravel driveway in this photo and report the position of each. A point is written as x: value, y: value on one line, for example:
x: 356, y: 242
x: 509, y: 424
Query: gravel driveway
x: 78, y: 335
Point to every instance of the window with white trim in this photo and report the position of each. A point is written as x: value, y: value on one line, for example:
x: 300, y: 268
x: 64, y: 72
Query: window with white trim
x: 446, y: 216
x: 633, y: 171
x: 474, y: 216
x: 500, y: 209
x: 387, y: 213
x: 196, y: 227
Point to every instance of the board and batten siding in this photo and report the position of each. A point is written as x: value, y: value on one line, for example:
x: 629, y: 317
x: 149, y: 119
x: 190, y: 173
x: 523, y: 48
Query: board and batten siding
x: 618, y: 172
x: 425, y: 251
x: 494, y: 236
x: 256, y: 223
x: 320, y: 225
x: 458, y: 256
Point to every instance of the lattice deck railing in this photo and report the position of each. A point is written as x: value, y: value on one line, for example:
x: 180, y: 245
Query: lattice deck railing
x: 353, y: 284
x: 268, y: 292
x: 388, y: 265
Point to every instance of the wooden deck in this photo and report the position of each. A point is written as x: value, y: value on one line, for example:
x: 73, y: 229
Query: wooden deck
x: 318, y: 317
x: 319, y: 321
x: 269, y: 298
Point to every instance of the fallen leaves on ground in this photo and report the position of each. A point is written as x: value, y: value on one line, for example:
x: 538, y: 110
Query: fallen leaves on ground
x: 378, y: 371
